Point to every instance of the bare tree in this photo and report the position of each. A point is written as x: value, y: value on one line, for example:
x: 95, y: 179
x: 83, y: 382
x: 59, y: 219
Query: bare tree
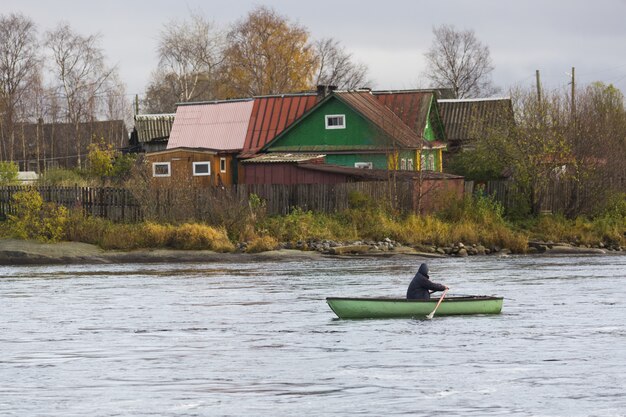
x: 82, y: 76
x: 267, y: 54
x: 336, y: 67
x: 192, y: 51
x: 458, y: 60
x: 162, y: 94
x: 116, y: 105
x: 19, y: 57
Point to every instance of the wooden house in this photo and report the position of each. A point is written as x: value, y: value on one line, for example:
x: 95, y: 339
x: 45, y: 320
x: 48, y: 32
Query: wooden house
x: 203, y: 144
x: 40, y: 146
x: 151, y: 132
x: 467, y: 120
x: 363, y: 129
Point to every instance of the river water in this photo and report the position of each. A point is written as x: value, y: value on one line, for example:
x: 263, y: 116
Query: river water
x: 257, y: 339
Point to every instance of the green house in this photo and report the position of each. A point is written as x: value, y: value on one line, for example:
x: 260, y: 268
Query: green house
x: 363, y: 129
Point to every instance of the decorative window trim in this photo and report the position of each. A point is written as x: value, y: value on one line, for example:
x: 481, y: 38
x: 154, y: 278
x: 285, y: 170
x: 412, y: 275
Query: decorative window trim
x: 409, y: 164
x: 202, y: 174
x: 331, y: 116
x: 167, y: 164
x: 223, y: 165
x: 428, y: 162
x: 364, y: 165
x: 403, y: 164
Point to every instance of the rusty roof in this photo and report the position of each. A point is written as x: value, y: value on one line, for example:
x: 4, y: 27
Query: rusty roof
x: 412, y: 106
x: 284, y: 157
x: 467, y: 119
x: 271, y: 115
x: 153, y: 126
x: 212, y: 125
x: 383, y: 118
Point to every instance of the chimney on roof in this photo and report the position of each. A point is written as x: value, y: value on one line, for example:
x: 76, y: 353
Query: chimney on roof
x: 324, y: 89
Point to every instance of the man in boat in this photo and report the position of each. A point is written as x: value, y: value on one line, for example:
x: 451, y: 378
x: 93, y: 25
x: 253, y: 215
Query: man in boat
x: 421, y: 286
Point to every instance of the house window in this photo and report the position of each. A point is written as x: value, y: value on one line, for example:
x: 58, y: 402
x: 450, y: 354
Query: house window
x: 409, y: 165
x: 428, y: 162
x: 222, y: 165
x: 201, y: 168
x: 403, y: 164
x: 335, y: 121
x: 423, y: 166
x: 161, y: 169
x: 364, y: 165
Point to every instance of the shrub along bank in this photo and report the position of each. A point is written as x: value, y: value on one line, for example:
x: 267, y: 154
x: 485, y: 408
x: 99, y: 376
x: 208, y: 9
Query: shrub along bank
x: 473, y: 226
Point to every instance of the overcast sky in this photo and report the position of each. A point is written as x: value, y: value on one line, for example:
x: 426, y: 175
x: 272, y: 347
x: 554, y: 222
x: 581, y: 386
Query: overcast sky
x: 389, y: 36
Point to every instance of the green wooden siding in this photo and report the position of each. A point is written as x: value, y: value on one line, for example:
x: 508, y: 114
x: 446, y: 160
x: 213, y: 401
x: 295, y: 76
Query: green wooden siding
x: 379, y: 161
x: 434, y: 126
x: 350, y: 145
x: 311, y: 133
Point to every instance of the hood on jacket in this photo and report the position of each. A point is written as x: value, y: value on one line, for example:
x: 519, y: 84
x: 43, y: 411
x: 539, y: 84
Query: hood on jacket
x: 423, y: 270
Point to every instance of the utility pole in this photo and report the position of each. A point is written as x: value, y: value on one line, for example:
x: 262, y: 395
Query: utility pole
x: 136, y: 104
x: 573, y: 94
x: 538, y: 86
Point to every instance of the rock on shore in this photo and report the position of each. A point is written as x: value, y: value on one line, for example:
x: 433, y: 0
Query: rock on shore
x: 22, y: 252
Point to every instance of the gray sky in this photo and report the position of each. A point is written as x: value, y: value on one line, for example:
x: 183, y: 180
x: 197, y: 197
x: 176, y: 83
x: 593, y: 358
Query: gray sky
x: 389, y: 36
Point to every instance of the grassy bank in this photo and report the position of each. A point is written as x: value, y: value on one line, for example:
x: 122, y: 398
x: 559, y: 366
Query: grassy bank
x: 477, y: 221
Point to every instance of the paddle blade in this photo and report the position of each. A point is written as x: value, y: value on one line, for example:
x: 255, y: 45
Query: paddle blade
x: 432, y: 313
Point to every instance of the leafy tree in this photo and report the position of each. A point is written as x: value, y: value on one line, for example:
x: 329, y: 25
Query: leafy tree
x: 267, y: 54
x: 35, y: 219
x: 8, y: 173
x: 533, y: 148
x: 458, y: 60
x: 100, y: 159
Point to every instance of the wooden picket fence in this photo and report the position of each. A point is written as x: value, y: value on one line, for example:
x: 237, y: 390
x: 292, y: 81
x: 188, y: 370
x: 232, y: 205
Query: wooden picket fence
x: 116, y: 204
x: 220, y: 204
x: 122, y: 205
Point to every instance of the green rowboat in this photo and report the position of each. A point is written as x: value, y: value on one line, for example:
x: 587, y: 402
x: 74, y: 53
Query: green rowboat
x: 375, y: 308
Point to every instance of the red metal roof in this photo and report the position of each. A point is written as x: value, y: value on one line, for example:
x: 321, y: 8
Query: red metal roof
x: 411, y: 106
x: 384, y: 118
x: 271, y: 115
x: 216, y: 125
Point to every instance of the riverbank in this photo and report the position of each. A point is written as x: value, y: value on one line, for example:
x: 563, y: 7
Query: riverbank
x: 24, y: 252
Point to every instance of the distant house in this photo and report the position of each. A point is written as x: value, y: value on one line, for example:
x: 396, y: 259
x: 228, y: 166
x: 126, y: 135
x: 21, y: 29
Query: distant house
x: 54, y: 145
x: 467, y: 120
x: 203, y: 144
x: 151, y: 132
x: 357, y: 129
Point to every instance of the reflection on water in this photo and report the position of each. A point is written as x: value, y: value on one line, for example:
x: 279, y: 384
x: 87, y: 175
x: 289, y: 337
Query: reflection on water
x: 258, y: 338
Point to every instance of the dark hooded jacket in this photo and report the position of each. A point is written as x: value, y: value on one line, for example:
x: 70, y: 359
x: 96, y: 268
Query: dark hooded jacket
x: 421, y: 285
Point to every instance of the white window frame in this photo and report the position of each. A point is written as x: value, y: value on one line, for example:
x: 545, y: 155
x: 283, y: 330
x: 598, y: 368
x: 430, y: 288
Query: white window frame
x: 167, y: 164
x: 431, y: 162
x: 403, y: 164
x: 330, y: 116
x: 364, y: 165
x: 409, y: 164
x: 223, y: 165
x: 203, y: 174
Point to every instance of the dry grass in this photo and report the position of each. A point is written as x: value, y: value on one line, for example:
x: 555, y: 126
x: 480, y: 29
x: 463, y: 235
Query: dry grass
x: 262, y: 244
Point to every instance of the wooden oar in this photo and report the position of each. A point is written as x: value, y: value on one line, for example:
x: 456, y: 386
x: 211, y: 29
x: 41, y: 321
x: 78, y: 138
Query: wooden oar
x: 432, y: 313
